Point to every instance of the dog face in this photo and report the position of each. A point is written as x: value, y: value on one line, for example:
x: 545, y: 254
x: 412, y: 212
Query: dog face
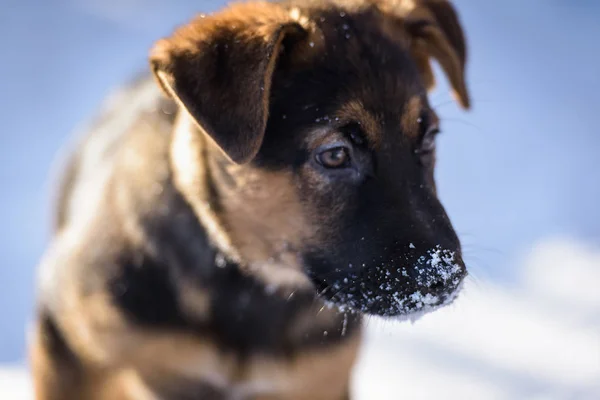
x: 326, y: 142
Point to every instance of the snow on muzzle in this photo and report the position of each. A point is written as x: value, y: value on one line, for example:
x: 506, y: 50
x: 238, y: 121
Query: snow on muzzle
x: 402, y: 287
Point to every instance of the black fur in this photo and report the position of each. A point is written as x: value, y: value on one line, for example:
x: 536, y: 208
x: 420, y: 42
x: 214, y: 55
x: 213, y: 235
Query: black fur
x: 368, y: 236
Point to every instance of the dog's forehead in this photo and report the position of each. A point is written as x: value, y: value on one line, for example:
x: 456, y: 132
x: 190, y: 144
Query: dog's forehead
x: 363, y: 72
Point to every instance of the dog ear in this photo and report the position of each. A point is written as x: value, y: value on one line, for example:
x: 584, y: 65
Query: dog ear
x: 434, y: 32
x: 219, y: 68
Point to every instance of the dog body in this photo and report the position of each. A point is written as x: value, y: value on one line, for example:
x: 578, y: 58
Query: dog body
x: 119, y: 313
x: 223, y: 241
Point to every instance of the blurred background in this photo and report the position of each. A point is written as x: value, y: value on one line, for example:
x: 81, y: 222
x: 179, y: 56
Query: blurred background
x: 519, y: 176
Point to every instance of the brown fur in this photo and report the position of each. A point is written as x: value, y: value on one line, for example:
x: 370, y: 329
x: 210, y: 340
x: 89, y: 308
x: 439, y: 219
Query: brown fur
x: 172, y: 194
x: 255, y: 32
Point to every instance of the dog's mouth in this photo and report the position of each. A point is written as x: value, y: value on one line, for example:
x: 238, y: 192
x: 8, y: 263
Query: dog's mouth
x: 395, y: 305
x: 392, y: 290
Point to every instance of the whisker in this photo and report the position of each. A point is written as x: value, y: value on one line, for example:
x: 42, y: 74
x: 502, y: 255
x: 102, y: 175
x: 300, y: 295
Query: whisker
x: 476, y: 281
x: 440, y: 105
x: 464, y: 122
x: 291, y: 295
x: 470, y: 250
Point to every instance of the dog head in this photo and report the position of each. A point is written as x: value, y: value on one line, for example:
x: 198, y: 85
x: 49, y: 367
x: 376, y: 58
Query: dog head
x: 324, y: 142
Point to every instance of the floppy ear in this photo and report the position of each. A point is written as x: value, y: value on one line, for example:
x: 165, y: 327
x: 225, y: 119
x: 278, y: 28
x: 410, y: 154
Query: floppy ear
x: 220, y: 67
x: 435, y: 32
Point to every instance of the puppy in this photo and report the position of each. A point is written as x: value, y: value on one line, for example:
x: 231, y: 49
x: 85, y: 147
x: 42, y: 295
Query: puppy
x: 221, y: 230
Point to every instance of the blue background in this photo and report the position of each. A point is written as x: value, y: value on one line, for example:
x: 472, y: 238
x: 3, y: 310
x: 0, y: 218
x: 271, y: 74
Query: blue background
x: 522, y: 165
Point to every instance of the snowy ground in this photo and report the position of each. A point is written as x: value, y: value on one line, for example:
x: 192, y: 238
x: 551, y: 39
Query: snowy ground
x: 539, y: 341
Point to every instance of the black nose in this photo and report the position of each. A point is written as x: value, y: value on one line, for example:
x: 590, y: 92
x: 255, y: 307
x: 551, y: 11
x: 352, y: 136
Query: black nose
x: 438, y: 272
x: 437, y: 286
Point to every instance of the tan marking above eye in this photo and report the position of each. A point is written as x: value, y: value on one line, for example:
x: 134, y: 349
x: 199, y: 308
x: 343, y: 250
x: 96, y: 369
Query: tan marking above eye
x: 417, y: 119
x: 355, y: 112
x: 411, y: 113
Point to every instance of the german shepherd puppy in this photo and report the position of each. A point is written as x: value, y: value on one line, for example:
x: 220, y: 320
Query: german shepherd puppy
x: 221, y: 230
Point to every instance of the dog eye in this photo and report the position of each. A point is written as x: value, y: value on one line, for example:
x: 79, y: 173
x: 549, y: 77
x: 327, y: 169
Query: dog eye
x: 428, y: 143
x: 338, y: 157
x: 426, y: 149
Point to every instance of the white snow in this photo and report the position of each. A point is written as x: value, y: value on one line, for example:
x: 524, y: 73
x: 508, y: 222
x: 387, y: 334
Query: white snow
x: 15, y: 383
x: 539, y: 340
